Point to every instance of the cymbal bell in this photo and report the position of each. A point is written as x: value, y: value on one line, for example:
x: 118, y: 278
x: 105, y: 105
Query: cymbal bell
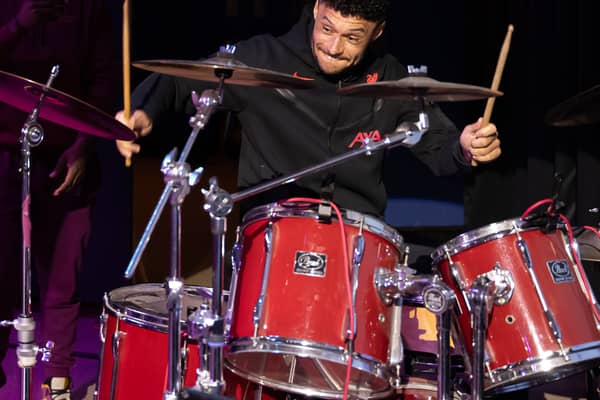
x: 234, y: 72
x: 412, y: 87
x: 60, y: 108
x: 579, y: 110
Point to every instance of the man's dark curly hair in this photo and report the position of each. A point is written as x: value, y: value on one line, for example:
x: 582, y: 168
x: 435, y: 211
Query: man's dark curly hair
x: 371, y: 10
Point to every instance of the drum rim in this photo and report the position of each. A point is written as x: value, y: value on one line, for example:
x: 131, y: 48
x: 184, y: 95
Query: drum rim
x: 518, y: 375
x: 484, y: 234
x: 146, y: 318
x: 371, y: 223
x: 275, y: 345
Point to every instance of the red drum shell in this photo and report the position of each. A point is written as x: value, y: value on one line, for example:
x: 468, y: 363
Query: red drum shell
x: 520, y: 347
x: 141, y: 368
x: 304, y: 314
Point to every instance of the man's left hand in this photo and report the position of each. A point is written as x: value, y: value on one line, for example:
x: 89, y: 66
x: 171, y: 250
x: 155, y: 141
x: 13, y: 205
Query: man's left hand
x: 480, y: 143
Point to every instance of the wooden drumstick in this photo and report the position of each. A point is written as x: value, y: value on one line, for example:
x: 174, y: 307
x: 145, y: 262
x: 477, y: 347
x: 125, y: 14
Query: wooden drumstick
x: 487, y: 114
x: 126, y: 69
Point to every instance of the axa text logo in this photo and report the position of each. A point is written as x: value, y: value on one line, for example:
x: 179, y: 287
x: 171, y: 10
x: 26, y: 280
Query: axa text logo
x: 362, y: 138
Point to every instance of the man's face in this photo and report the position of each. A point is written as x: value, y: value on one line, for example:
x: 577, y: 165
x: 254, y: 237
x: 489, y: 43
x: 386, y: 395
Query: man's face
x: 339, y: 42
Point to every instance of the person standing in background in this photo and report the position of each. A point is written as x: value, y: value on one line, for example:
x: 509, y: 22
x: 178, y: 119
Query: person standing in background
x: 34, y: 36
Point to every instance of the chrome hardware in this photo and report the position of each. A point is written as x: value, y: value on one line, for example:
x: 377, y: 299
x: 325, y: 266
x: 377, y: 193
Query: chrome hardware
x: 420, y: 70
x: 552, y: 323
x: 357, y: 256
x: 258, y: 308
x: 393, y: 284
x: 459, y: 281
x: 480, y: 293
x: 116, y: 342
x: 201, y: 324
x: 396, y: 347
x: 47, y: 351
x: 504, y: 284
x: 236, y: 264
x: 227, y: 50
x: 437, y: 297
x: 103, y: 327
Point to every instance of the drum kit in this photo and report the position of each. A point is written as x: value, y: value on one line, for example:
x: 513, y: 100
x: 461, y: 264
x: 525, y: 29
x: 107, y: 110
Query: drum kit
x: 322, y: 301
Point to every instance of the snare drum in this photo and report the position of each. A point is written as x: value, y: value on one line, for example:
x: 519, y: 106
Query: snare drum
x: 288, y: 315
x: 135, y: 365
x: 134, y: 357
x: 521, y: 349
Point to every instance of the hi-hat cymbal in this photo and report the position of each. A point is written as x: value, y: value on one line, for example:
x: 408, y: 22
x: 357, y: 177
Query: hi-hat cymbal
x: 60, y: 108
x: 235, y: 72
x: 581, y: 109
x: 412, y: 87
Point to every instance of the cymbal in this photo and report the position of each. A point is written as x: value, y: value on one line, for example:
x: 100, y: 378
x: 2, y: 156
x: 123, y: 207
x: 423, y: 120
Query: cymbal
x: 581, y: 109
x: 235, y: 72
x: 419, y: 86
x: 60, y: 108
x: 589, y: 246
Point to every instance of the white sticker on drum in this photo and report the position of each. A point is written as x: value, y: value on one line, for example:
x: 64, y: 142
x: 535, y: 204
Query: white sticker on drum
x: 310, y: 263
x: 560, y: 271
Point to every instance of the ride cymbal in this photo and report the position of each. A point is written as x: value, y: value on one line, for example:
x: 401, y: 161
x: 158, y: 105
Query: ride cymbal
x: 60, y: 108
x: 234, y: 72
x: 413, y: 87
x: 581, y: 109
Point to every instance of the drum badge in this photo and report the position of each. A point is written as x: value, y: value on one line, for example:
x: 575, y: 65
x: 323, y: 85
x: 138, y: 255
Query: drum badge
x: 310, y: 263
x: 560, y: 271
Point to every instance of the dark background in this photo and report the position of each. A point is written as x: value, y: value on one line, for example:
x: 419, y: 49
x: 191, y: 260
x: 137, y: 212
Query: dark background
x: 553, y: 56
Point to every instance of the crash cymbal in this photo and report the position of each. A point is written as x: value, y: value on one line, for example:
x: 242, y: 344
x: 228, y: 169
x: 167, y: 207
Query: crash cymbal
x: 235, y: 72
x: 60, y: 108
x: 581, y: 109
x: 589, y: 246
x: 419, y: 86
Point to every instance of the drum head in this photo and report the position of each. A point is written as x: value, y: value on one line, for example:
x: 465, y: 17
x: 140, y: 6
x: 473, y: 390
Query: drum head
x: 146, y: 305
x: 309, y: 210
x: 478, y: 236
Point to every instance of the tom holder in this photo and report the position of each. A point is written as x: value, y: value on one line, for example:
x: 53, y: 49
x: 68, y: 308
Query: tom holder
x: 392, y: 287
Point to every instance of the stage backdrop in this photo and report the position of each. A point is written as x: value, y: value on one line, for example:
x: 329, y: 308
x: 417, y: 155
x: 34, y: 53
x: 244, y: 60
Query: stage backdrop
x: 554, y: 55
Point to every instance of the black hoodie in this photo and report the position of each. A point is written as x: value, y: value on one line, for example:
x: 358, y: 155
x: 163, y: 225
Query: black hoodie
x: 285, y: 131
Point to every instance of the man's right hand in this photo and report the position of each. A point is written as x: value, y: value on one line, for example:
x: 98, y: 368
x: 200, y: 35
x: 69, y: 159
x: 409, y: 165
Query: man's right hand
x: 140, y: 124
x: 32, y: 12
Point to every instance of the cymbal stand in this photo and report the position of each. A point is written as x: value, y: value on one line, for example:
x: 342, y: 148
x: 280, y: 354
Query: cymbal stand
x: 439, y: 299
x: 181, y: 177
x: 178, y: 179
x: 32, y: 135
x: 208, y: 326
